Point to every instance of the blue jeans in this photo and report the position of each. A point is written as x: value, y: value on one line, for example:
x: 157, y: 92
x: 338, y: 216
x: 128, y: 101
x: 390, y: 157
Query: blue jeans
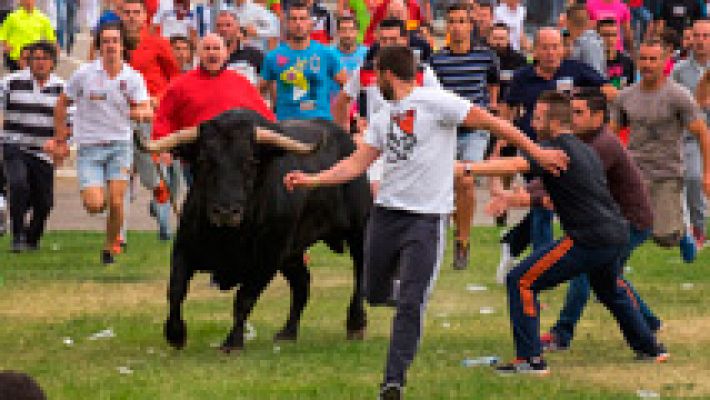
x: 559, y: 262
x: 97, y: 164
x: 66, y: 23
x: 640, y: 18
x: 541, y: 227
x: 578, y: 295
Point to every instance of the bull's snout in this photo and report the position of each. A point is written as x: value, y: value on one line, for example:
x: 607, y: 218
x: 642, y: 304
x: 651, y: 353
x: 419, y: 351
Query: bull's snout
x: 226, y: 216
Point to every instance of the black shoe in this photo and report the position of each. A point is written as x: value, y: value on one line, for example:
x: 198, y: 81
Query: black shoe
x: 32, y: 245
x: 107, y: 257
x: 661, y: 355
x: 532, y: 365
x: 390, y: 391
x: 164, y: 236
x: 18, y: 246
x: 461, y: 255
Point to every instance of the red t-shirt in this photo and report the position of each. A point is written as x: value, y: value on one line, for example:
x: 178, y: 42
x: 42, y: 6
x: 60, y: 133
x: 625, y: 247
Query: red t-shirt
x: 151, y: 7
x: 198, y: 96
x: 154, y: 59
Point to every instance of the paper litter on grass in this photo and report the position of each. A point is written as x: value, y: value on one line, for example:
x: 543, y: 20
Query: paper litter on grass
x: 68, y: 341
x: 446, y: 324
x: 474, y: 287
x: 487, y: 310
x: 687, y: 286
x: 647, y: 394
x: 104, y: 334
x: 123, y: 370
x: 250, y: 333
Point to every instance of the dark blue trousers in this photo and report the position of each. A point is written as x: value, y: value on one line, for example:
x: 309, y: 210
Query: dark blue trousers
x: 578, y: 295
x: 559, y: 262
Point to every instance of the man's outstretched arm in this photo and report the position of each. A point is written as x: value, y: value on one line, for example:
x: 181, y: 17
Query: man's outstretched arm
x: 502, y: 166
x: 554, y: 161
x: 344, y: 171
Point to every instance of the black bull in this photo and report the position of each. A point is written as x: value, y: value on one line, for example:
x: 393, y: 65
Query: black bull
x: 241, y: 225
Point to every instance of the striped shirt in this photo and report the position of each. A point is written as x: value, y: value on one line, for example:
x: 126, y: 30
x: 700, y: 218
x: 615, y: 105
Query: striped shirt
x: 468, y: 75
x: 29, y: 108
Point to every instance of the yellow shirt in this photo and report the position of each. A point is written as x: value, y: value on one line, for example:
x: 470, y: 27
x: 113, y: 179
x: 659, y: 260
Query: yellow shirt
x: 22, y: 28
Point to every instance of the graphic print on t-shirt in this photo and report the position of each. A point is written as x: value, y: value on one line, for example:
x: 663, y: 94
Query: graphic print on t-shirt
x: 401, y: 138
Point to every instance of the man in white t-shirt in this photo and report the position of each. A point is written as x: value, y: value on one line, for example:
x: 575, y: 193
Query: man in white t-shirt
x: 512, y: 13
x: 108, y: 94
x: 177, y: 21
x: 416, y: 137
x: 261, y: 26
x: 362, y: 88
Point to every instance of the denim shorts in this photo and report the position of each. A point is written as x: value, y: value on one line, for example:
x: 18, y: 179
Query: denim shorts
x: 471, y: 146
x: 97, y: 164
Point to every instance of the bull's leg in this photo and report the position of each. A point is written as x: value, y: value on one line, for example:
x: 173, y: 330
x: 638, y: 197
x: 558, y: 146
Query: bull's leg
x: 299, y: 281
x: 244, y: 302
x: 357, y: 318
x: 180, y: 276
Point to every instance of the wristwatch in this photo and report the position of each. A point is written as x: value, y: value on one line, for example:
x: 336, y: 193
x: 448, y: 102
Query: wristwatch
x: 467, y: 169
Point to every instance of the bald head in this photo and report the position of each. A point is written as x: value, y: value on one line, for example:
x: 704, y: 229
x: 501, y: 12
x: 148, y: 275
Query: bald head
x: 212, y: 52
x: 548, y: 49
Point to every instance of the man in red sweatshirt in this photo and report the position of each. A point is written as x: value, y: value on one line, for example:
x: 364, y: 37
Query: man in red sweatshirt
x: 206, y: 92
x: 151, y: 55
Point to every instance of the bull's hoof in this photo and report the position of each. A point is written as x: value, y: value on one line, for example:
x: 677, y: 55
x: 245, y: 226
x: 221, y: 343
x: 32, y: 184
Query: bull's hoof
x: 230, y: 350
x: 357, y: 334
x: 176, y: 333
x: 286, y: 335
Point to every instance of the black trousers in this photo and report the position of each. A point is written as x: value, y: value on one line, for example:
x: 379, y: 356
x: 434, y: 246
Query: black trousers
x: 30, y: 182
x: 408, y: 246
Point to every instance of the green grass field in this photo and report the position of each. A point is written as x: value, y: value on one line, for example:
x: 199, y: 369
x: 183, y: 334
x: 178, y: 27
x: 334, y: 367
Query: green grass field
x: 63, y: 292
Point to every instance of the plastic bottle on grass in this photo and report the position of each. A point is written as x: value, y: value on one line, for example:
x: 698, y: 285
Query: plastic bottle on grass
x: 480, y: 361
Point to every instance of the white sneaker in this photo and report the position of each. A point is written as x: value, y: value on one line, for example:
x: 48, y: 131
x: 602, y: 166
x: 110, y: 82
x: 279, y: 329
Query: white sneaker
x: 3, y: 216
x: 507, y: 261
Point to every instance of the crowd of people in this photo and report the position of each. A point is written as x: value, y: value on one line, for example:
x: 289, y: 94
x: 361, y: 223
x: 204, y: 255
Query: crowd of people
x: 599, y: 113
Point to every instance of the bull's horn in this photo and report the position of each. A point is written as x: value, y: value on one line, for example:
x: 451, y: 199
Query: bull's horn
x: 168, y: 142
x: 265, y: 135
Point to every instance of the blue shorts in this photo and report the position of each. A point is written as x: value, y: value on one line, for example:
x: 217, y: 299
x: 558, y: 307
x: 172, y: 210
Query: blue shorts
x: 97, y: 164
x: 472, y: 146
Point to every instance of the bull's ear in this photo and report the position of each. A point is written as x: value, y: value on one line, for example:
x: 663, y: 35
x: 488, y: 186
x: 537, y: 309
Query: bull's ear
x: 268, y: 136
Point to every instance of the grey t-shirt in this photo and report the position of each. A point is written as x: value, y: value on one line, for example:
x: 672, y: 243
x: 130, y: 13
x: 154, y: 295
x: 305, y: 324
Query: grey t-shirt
x: 657, y: 120
x: 589, y: 49
x: 417, y: 138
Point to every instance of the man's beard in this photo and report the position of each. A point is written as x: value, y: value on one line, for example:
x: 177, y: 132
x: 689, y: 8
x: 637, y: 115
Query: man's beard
x: 387, y: 91
x: 544, y: 133
x: 500, y: 50
x: 347, y: 44
x: 299, y: 37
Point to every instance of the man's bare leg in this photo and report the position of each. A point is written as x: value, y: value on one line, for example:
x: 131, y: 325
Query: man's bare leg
x: 465, y: 193
x: 116, y: 192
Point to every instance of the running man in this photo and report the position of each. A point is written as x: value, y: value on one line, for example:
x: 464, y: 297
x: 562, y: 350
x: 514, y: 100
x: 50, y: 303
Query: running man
x: 659, y: 110
x: 108, y: 94
x: 416, y: 136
